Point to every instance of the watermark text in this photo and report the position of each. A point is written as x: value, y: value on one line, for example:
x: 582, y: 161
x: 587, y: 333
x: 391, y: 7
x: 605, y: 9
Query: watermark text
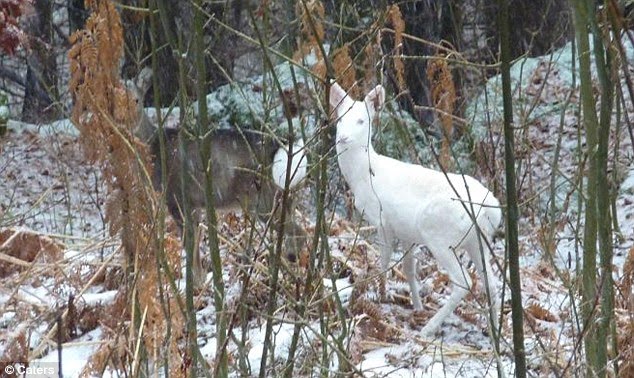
x: 20, y: 369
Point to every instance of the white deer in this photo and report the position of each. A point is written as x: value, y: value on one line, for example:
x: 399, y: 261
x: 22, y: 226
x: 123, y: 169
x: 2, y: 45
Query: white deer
x: 416, y: 205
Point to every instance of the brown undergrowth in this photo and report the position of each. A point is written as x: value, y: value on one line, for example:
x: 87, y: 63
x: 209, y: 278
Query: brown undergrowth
x: 105, y: 113
x: 344, y: 69
x: 625, y: 318
x: 443, y: 96
x: 21, y: 247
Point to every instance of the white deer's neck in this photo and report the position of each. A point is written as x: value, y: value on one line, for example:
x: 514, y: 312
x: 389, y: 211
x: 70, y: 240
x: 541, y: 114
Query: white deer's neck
x: 355, y: 161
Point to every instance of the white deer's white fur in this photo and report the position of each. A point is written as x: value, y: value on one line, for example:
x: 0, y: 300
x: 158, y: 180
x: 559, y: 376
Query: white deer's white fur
x: 299, y: 165
x: 415, y: 205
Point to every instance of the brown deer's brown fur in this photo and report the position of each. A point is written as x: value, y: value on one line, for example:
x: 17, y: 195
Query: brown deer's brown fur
x: 241, y: 164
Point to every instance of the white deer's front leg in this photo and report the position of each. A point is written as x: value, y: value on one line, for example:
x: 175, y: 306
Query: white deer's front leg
x: 485, y: 271
x: 386, y: 255
x: 386, y: 247
x: 409, y: 266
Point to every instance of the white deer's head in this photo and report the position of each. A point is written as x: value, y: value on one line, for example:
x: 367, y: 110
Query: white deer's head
x: 355, y: 117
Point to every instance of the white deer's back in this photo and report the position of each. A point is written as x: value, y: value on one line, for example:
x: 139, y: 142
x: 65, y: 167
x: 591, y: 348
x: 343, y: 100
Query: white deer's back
x: 416, y: 204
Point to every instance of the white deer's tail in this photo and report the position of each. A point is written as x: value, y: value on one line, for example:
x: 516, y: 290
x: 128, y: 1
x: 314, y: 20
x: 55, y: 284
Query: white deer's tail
x: 298, y: 165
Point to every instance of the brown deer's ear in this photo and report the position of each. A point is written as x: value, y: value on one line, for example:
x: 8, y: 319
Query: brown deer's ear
x: 338, y: 96
x: 376, y: 98
x: 143, y: 80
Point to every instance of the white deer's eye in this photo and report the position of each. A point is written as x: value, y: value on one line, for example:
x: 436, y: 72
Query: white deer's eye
x: 360, y: 122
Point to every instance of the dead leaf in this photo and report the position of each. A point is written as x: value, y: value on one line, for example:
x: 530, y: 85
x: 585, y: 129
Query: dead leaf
x: 537, y: 311
x: 19, y: 247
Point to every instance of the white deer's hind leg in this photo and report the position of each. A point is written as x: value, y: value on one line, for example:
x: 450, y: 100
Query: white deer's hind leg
x: 409, y: 266
x: 495, y: 298
x: 461, y: 283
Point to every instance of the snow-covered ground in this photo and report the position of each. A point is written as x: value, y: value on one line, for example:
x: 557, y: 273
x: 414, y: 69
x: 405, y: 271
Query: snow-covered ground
x: 51, y: 196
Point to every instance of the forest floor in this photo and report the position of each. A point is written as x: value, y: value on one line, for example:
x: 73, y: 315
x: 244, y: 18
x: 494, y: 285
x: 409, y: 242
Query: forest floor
x: 54, y: 246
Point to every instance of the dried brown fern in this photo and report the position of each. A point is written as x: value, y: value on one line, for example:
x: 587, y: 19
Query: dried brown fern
x: 345, y: 72
x: 24, y: 246
x: 371, y: 54
x: 16, y: 347
x: 625, y: 322
x: 396, y: 19
x: 98, y: 361
x: 105, y: 114
x: 625, y: 345
x: 538, y: 311
x: 369, y: 308
x: 443, y: 95
x: 311, y: 16
x: 372, y: 325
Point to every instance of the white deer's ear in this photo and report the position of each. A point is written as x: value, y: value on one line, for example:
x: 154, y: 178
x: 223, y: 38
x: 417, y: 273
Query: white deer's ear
x: 376, y: 98
x: 338, y: 96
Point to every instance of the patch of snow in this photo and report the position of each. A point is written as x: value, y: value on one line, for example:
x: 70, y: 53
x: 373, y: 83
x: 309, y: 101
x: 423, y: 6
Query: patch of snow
x: 4, y: 112
x: 342, y: 286
x: 103, y: 298
x: 627, y: 186
x: 74, y: 356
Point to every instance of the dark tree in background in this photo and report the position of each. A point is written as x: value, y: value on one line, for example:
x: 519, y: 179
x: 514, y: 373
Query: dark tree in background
x: 433, y: 21
x: 41, y: 91
x: 225, y: 51
x: 77, y: 14
x: 468, y: 26
x: 471, y: 28
x: 138, y: 28
x: 538, y: 26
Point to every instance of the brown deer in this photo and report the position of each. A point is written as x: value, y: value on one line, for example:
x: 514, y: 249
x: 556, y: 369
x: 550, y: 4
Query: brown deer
x: 248, y: 170
x: 242, y: 166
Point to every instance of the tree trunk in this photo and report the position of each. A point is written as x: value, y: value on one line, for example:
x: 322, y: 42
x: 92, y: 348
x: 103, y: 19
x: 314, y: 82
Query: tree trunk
x: 223, y: 47
x: 76, y: 15
x: 512, y: 211
x: 538, y: 26
x: 433, y: 21
x: 143, y: 40
x: 589, y: 270
x: 604, y: 62
x: 40, y: 92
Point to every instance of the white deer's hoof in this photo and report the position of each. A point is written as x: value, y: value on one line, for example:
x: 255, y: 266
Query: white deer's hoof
x: 418, y: 305
x: 431, y: 328
x: 427, y: 333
